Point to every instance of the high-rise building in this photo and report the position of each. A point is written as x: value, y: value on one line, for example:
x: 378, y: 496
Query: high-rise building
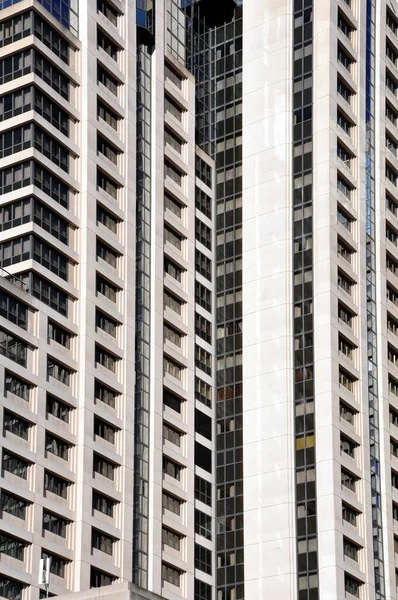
x: 107, y: 295
x: 320, y: 298
x: 198, y: 300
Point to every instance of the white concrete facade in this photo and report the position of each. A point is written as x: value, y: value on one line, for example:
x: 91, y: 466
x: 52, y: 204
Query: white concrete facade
x: 87, y: 438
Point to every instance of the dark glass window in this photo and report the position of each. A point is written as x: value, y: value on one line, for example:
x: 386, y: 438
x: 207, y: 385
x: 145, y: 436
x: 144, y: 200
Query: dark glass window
x: 16, y: 425
x: 59, y: 334
x: 13, y: 505
x: 107, y: 115
x: 101, y: 541
x: 104, y: 42
x: 51, y: 38
x: 105, y: 288
x: 203, y: 233
x: 203, y: 328
x: 203, y: 296
x: 171, y: 107
x: 103, y: 504
x: 56, y: 485
x: 59, y: 371
x: 171, y: 575
x: 203, y: 359
x: 203, y: 490
x: 57, y: 408
x: 171, y: 468
x: 17, y: 386
x: 57, y: 446
x: 106, y: 359
x: 105, y: 394
x: 107, y: 149
x: 13, y: 348
x: 203, y: 171
x: 203, y: 392
x: 47, y: 292
x: 51, y: 222
x: 11, y: 588
x: 202, y: 590
x: 172, y: 269
x: 12, y: 546
x: 172, y: 401
x: 57, y: 564
x: 106, y: 79
x: 171, y: 503
x: 203, y: 457
x: 104, y: 430
x: 13, y: 309
x: 106, y: 218
x: 108, y: 10
x: 171, y: 538
x: 15, y: 464
x: 105, y: 323
x: 16, y: 28
x: 172, y: 434
x: 203, y: 202
x: 100, y: 578
x: 107, y: 184
x: 104, y: 467
x: 106, y: 253
x: 203, y: 524
x: 55, y: 524
x: 15, y: 214
x: 349, y: 514
x: 202, y: 559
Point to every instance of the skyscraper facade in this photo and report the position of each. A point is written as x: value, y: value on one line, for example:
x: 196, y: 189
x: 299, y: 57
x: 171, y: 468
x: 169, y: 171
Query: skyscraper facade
x: 320, y: 299
x: 107, y: 295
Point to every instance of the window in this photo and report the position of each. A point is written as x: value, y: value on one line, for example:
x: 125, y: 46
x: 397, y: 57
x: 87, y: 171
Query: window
x: 106, y: 44
x: 203, y: 424
x: 393, y: 447
x: 202, y: 590
x: 347, y: 413
x: 11, y: 588
x: 394, y: 479
x: 106, y: 359
x: 173, y: 173
x: 349, y: 480
x: 59, y: 334
x: 104, y: 467
x: 103, y: 504
x: 203, y: 264
x: 16, y: 425
x: 173, y: 238
x: 344, y: 155
x: 344, y: 123
x: 57, y: 446
x: 203, y: 490
x: 203, y: 328
x: 391, y: 114
x: 105, y: 394
x: 51, y: 38
x: 16, y: 103
x: 16, y: 213
x: 392, y: 295
x: 50, y: 221
x: 48, y: 293
x: 392, y: 354
x: 172, y: 503
x: 172, y: 434
x: 391, y: 83
x: 344, y: 218
x: 173, y: 335
x: 13, y: 505
x: 203, y: 233
x: 13, y: 348
x: 344, y: 282
x: 344, y: 25
x: 203, y: 359
x: 345, y: 315
x: 11, y: 546
x: 16, y: 28
x: 171, y: 538
x: 15, y: 464
x: 172, y: 205
x: 57, y: 564
x: 350, y: 549
x: 55, y: 524
x: 203, y: 296
x: 51, y: 75
x: 203, y: 457
x: 57, y: 408
x: 391, y: 145
x: 344, y: 58
x: 349, y: 514
x: 172, y: 108
x: 107, y: 254
x: 345, y: 92
x: 203, y: 171
x: 346, y: 348
x: 107, y: 115
x: 392, y: 385
x: 347, y: 446
x: 58, y: 371
x: 107, y: 149
x: 172, y: 401
x: 106, y: 288
x: 171, y: 74
x: 203, y: 524
x: 48, y: 109
x: 203, y: 202
x: 391, y: 174
x: 346, y: 380
x: 344, y: 187
x: 101, y: 541
x: 105, y: 323
x: 391, y: 53
x: 104, y: 430
x: 393, y: 416
x: 56, y: 485
x: 174, y: 303
x: 171, y: 468
x: 107, y: 184
x: 106, y: 79
x: 107, y: 219
x: 100, y: 578
x: 202, y: 559
x: 171, y: 575
x: 108, y: 11
x: 50, y: 148
x: 173, y: 368
x: 391, y: 22
x: 173, y: 141
x: 16, y: 385
x: 203, y: 392
x: 395, y: 511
